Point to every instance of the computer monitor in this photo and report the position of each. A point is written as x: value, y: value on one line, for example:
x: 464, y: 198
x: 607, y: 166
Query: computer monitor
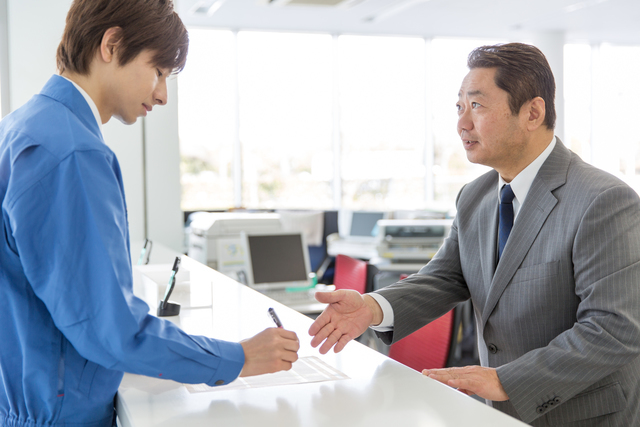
x: 359, y: 225
x: 276, y: 261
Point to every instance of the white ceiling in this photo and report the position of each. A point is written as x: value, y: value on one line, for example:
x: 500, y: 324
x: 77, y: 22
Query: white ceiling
x: 614, y: 21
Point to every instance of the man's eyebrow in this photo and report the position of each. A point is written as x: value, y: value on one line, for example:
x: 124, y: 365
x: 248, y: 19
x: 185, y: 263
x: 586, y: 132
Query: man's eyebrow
x: 471, y: 93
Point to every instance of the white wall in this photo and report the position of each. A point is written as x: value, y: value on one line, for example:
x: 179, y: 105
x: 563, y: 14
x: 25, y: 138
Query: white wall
x: 34, y: 31
x: 164, y: 224
x: 552, y: 45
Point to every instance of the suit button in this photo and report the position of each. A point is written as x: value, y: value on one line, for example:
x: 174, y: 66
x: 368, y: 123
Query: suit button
x: 492, y: 348
x: 220, y: 382
x: 540, y: 409
x: 557, y: 400
x: 551, y: 403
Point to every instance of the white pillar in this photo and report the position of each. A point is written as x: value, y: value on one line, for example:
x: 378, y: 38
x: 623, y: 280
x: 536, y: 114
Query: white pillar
x: 552, y: 45
x: 429, y: 143
x: 5, y: 101
x: 336, y: 135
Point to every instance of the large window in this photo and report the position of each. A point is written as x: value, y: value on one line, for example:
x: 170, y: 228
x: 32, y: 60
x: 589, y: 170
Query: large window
x: 577, y: 96
x: 285, y: 83
x: 616, y: 91
x: 451, y: 168
x: 206, y: 120
x: 382, y: 122
x: 601, y: 89
x: 293, y: 120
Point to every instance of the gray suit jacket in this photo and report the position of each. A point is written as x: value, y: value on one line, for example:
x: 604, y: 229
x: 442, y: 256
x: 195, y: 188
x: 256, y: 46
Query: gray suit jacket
x: 560, y: 315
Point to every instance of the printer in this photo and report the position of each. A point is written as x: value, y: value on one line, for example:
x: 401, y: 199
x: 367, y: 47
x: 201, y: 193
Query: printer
x: 411, y: 241
x: 207, y: 229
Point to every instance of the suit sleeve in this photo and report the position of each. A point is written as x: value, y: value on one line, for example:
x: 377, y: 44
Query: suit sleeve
x: 70, y: 230
x: 423, y: 297
x: 606, y: 335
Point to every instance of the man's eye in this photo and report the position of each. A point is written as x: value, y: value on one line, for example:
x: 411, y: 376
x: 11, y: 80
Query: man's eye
x: 159, y: 72
x: 475, y: 105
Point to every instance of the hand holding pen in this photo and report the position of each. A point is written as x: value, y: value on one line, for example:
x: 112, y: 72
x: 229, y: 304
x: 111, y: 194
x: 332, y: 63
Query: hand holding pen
x: 272, y: 350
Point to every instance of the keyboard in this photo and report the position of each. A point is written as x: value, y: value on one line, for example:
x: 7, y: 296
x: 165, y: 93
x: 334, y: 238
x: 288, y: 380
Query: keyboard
x: 292, y: 298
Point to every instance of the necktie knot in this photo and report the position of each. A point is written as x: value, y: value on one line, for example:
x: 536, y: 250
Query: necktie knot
x: 506, y: 195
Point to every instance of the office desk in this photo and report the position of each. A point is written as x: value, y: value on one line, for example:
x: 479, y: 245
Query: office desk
x: 380, y: 391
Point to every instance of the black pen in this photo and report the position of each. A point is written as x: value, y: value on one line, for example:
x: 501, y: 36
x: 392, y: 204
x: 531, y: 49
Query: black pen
x: 172, y: 282
x: 275, y: 318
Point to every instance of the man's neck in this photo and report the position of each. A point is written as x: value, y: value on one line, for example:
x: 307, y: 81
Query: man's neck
x: 89, y: 86
x: 536, y: 145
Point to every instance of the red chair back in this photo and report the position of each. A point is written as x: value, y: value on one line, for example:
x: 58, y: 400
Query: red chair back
x: 350, y: 273
x: 428, y: 347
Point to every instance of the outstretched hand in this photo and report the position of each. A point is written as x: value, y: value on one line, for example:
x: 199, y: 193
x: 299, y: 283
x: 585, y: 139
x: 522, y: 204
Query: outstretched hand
x: 272, y: 350
x: 346, y: 317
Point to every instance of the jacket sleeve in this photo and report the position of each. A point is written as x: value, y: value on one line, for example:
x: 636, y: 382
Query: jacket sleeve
x: 70, y: 230
x: 425, y: 296
x: 606, y: 334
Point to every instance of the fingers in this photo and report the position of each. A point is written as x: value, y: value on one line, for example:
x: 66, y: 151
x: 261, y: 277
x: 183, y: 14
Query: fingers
x: 469, y: 385
x: 328, y: 328
x: 286, y: 334
x: 333, y: 338
x: 342, y: 342
x: 329, y: 297
x: 318, y: 324
x: 272, y: 350
x: 471, y: 380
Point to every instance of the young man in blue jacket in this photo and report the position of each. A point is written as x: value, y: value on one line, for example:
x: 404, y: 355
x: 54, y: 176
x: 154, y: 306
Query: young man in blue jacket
x: 70, y: 323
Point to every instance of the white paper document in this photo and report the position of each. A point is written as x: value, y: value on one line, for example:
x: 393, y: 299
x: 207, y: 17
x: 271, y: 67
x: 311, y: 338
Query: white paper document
x: 305, y: 370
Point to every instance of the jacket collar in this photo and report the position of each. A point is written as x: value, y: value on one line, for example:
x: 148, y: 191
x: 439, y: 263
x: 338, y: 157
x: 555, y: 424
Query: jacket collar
x: 63, y: 91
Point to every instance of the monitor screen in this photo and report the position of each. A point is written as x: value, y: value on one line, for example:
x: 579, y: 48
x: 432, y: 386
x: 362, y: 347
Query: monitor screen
x: 278, y: 258
x: 364, y: 223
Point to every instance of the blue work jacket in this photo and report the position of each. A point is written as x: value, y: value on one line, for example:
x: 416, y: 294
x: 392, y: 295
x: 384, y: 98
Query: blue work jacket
x: 70, y: 324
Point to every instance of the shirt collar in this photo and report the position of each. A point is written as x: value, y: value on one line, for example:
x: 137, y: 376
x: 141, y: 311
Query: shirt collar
x: 92, y: 105
x: 522, y: 182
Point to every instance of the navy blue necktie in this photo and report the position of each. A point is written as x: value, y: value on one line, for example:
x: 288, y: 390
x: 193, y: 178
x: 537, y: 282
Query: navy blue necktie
x: 506, y: 217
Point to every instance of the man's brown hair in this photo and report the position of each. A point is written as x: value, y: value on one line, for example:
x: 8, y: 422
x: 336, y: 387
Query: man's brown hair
x: 144, y: 25
x: 522, y: 71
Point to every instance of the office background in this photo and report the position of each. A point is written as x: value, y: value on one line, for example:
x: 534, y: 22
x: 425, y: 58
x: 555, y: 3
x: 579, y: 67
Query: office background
x: 284, y: 105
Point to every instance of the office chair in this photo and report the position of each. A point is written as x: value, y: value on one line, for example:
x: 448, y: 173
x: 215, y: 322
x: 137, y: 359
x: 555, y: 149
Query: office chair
x: 356, y: 274
x: 430, y: 347
x: 350, y: 273
x: 427, y: 348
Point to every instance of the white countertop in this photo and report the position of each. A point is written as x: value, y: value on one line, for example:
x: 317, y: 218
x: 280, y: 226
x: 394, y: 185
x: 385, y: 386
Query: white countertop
x: 379, y: 391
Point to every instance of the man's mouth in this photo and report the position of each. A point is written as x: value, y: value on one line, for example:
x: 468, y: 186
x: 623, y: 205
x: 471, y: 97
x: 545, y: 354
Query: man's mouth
x: 468, y: 143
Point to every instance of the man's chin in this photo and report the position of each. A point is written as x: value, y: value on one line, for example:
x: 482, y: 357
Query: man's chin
x: 473, y: 158
x: 126, y: 120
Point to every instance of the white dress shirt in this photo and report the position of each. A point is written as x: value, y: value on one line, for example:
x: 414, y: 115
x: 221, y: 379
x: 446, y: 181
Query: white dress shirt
x: 520, y: 186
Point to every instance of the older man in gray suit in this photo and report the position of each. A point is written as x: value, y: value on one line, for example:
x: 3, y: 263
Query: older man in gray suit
x: 548, y: 249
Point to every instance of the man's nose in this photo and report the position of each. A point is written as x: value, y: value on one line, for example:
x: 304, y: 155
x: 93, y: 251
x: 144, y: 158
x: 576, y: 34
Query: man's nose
x: 464, y: 122
x: 160, y: 94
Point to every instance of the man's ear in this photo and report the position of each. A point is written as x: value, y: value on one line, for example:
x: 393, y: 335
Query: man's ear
x: 536, y: 111
x: 109, y: 44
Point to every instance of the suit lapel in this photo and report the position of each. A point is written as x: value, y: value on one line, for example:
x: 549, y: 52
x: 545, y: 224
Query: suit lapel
x: 533, y: 213
x: 488, y: 228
